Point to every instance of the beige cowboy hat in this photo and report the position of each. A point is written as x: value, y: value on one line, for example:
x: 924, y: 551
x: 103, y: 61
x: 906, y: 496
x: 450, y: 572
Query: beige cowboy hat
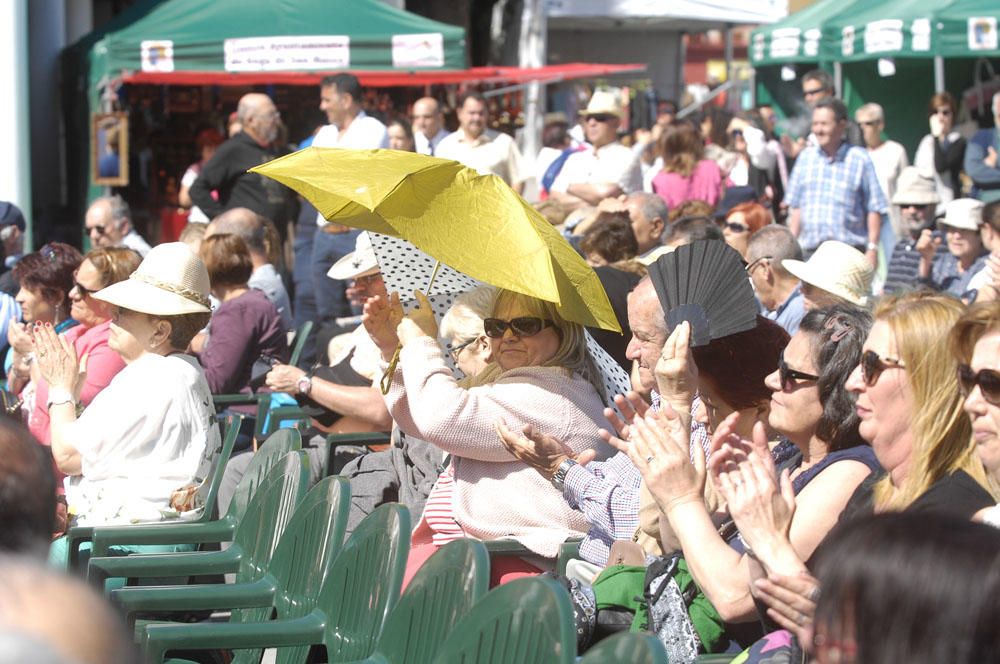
x: 604, y: 102
x: 360, y: 262
x: 171, y: 280
x: 964, y: 213
x: 837, y: 268
x: 915, y: 188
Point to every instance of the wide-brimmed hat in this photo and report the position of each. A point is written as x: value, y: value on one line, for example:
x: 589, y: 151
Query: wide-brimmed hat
x: 964, y: 213
x: 915, y: 188
x: 604, y: 102
x: 358, y: 263
x: 837, y: 268
x: 171, y: 280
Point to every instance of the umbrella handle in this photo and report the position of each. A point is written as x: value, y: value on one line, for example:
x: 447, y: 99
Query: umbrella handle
x: 386, y: 380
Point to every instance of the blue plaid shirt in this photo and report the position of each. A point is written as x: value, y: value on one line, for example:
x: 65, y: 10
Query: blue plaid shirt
x: 834, y: 195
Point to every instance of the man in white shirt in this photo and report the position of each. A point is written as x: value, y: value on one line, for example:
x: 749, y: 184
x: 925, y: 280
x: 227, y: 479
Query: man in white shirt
x: 485, y: 150
x: 109, y: 224
x: 607, y: 169
x: 428, y: 125
x: 889, y: 158
x: 350, y: 127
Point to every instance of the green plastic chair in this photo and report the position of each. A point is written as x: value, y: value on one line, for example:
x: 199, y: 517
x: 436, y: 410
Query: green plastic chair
x: 443, y: 590
x: 635, y: 648
x: 301, y: 335
x: 510, y: 547
x: 219, y: 530
x: 254, y: 539
x: 366, y: 439
x: 307, y: 548
x: 718, y: 658
x: 526, y: 621
x: 353, y: 604
x: 209, y: 491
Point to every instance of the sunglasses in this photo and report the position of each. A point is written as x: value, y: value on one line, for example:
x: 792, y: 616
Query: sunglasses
x: 734, y: 227
x: 83, y: 290
x: 789, y: 376
x: 455, y: 351
x: 600, y: 117
x: 736, y: 133
x: 872, y: 366
x: 987, y: 380
x: 367, y: 280
x: 524, y: 326
x: 814, y: 91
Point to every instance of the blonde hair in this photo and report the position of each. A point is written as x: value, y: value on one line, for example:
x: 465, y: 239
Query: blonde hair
x: 942, y: 433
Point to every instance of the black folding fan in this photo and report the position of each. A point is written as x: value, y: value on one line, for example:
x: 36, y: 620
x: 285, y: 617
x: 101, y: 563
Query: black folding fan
x: 705, y: 284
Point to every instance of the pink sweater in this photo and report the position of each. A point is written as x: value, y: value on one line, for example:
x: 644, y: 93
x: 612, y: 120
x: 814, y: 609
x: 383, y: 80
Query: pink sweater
x: 704, y: 184
x: 496, y: 495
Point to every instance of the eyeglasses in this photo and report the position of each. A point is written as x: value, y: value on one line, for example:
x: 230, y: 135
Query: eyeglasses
x: 907, y: 206
x: 943, y: 111
x: 734, y: 227
x: 872, y: 366
x: 987, y: 380
x: 814, y: 91
x: 83, y: 290
x: 524, y: 326
x: 789, y: 376
x: 600, y: 117
x: 366, y: 280
x: 455, y: 351
x: 755, y: 263
x: 868, y: 123
x: 736, y: 133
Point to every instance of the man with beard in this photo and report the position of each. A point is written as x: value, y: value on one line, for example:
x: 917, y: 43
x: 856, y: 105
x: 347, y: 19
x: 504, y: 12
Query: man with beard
x: 916, y: 198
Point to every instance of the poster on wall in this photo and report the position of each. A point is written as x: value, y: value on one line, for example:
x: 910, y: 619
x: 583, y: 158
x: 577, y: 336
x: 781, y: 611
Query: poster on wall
x: 109, y: 149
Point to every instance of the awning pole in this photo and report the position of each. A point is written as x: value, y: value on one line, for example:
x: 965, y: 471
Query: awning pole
x: 938, y: 73
x: 838, y: 80
x: 534, y: 37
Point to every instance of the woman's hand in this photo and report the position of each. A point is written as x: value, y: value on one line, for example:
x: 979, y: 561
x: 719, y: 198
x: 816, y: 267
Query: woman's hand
x: 744, y: 473
x: 676, y: 373
x: 56, y: 358
x: 538, y: 450
x: 660, y: 448
x: 284, y: 378
x: 19, y: 337
x: 420, y: 322
x: 791, y: 602
x: 381, y: 317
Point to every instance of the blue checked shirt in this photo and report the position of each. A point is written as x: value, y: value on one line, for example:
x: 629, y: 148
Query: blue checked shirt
x: 834, y: 195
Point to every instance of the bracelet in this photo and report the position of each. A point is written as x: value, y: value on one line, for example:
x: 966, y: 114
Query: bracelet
x: 59, y: 396
x: 59, y: 403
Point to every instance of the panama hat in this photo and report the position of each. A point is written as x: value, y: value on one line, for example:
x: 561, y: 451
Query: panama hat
x: 915, y: 188
x: 359, y: 262
x: 837, y: 268
x: 964, y: 213
x: 604, y: 102
x: 171, y: 280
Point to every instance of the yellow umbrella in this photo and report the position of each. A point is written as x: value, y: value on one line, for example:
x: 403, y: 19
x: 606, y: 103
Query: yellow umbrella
x: 475, y: 223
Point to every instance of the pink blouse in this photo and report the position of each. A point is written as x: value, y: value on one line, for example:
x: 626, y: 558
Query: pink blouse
x: 704, y: 184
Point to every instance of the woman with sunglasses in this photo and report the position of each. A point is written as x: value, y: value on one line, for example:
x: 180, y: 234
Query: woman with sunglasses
x: 741, y: 223
x: 975, y: 343
x: 536, y: 376
x: 941, y: 153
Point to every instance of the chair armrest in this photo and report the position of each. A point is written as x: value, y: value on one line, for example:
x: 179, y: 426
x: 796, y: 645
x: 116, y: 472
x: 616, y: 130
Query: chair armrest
x: 567, y: 551
x: 164, y: 565
x: 237, y: 399
x: 507, y: 547
x: 159, y: 639
x: 214, y: 596
x: 75, y: 538
x: 104, y: 537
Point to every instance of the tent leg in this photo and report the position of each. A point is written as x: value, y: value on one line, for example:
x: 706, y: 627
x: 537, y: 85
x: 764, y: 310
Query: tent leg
x: 838, y: 80
x: 938, y: 73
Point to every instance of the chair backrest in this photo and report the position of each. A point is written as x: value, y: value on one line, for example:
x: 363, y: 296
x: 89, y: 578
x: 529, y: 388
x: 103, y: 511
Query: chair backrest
x: 269, y: 511
x: 363, y: 585
x: 304, y: 555
x: 526, y: 621
x: 632, y: 647
x: 300, y: 342
x: 443, y: 590
x: 209, y: 489
x: 273, y: 449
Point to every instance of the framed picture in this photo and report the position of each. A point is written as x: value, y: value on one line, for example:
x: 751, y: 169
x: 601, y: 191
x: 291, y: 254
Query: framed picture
x: 109, y: 149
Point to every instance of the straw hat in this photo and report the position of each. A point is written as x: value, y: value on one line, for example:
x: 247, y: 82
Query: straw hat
x: 837, y: 268
x: 171, y: 280
x: 915, y: 188
x: 964, y: 213
x: 358, y: 263
x: 604, y: 102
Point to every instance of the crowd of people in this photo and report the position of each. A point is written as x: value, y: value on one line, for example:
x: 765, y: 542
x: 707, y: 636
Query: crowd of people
x: 822, y: 483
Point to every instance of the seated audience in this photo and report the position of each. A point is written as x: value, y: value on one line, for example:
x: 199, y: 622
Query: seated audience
x: 778, y: 291
x: 951, y: 272
x: 28, y: 487
x: 916, y: 199
x: 609, y: 239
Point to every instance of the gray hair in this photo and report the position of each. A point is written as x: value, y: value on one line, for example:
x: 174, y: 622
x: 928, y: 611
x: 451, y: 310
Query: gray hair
x: 651, y: 205
x: 871, y: 110
x: 778, y: 243
x: 246, y: 224
x: 464, y: 320
x: 118, y: 209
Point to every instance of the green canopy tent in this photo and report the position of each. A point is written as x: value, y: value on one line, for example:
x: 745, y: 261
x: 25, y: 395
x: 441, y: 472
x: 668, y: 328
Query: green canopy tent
x: 252, y: 37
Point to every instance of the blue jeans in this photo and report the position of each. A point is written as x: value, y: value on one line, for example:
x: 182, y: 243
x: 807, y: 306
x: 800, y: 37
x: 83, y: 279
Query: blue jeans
x: 331, y: 294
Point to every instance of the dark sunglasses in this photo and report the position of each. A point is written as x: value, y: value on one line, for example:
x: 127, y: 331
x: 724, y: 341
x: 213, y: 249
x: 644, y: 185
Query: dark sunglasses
x: 789, y: 376
x: 83, y: 290
x: 872, y: 366
x: 734, y: 227
x: 814, y: 91
x: 736, y: 133
x: 525, y: 326
x: 987, y: 380
x: 600, y: 117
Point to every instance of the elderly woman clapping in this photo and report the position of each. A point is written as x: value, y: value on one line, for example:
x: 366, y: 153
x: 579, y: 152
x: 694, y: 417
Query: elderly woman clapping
x: 145, y: 433
x: 536, y: 376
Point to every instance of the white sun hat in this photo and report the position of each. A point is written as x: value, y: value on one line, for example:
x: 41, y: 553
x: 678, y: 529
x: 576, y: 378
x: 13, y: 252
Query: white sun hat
x: 837, y: 268
x: 359, y: 262
x: 171, y: 280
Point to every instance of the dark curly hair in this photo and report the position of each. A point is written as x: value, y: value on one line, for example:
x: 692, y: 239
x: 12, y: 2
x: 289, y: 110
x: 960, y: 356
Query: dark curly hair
x: 49, y: 272
x: 838, y: 333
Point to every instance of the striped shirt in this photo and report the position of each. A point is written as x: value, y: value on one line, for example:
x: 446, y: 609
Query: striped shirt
x: 439, y: 512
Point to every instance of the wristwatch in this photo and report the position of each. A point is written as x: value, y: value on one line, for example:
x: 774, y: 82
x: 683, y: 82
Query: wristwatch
x: 304, y: 384
x: 559, y: 479
x: 872, y: 246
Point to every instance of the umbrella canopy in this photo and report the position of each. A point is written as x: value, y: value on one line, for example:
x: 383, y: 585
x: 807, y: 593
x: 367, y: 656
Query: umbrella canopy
x: 474, y: 223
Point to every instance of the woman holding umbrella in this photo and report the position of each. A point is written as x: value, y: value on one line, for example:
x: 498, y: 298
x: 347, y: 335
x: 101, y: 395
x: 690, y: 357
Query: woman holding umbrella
x: 537, y: 376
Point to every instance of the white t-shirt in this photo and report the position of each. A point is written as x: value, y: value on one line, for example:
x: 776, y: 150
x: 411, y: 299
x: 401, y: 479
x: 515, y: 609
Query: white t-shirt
x: 195, y: 215
x: 889, y: 160
x: 141, y: 438
x: 612, y: 163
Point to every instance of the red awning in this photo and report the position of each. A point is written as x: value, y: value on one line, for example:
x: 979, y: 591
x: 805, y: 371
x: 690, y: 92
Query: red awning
x: 387, y: 79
